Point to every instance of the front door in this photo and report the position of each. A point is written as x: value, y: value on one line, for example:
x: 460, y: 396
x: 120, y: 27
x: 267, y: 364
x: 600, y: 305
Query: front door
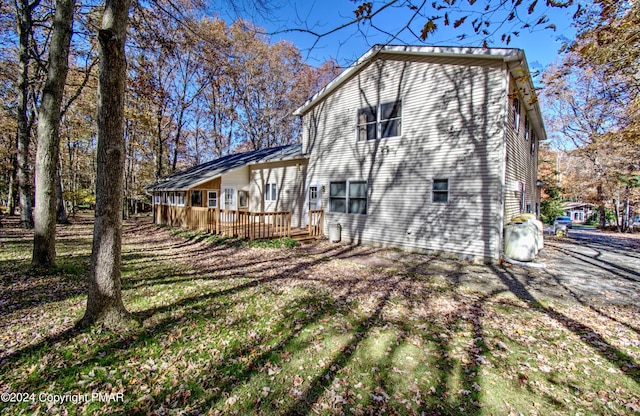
x: 229, y: 198
x: 314, y: 197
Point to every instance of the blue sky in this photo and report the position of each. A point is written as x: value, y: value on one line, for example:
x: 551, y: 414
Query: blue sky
x: 346, y: 45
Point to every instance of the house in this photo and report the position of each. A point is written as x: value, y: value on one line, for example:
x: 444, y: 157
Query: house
x: 578, y: 211
x: 252, y: 195
x: 430, y: 149
x: 426, y: 148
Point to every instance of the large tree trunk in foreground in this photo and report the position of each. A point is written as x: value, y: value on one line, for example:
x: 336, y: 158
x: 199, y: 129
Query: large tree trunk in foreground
x: 44, y: 238
x: 25, y: 26
x: 104, y: 301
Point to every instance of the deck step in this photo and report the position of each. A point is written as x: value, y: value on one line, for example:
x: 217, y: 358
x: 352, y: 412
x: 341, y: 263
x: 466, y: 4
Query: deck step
x: 304, y: 238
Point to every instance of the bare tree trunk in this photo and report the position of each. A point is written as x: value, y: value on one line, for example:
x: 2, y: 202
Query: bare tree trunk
x: 104, y: 301
x: 601, y: 209
x: 159, y: 147
x: 61, y: 211
x: 25, y: 25
x: 13, y: 179
x: 44, y: 238
x: 616, y: 211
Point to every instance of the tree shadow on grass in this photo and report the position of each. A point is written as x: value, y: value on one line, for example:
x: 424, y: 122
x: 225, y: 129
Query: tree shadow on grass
x: 24, y: 288
x: 248, y: 358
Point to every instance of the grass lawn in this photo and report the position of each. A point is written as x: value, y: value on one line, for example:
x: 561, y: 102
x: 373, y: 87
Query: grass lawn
x: 228, y: 328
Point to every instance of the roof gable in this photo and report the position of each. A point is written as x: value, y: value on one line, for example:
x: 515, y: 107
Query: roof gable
x: 514, y: 59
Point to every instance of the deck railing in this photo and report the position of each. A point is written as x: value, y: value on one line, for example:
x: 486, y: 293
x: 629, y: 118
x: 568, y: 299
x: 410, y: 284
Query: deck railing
x: 316, y: 222
x: 232, y: 223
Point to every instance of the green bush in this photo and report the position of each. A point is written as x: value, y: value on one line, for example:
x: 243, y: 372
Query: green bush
x: 284, y: 242
x: 550, y: 208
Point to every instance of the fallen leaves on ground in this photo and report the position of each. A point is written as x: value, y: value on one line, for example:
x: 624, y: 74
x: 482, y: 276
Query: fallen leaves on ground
x: 328, y: 329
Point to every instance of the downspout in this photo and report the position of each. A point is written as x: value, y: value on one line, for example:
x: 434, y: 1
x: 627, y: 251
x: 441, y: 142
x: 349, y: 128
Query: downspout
x: 503, y: 174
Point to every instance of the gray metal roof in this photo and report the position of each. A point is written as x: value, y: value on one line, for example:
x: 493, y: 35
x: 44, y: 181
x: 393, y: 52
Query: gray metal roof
x: 211, y: 170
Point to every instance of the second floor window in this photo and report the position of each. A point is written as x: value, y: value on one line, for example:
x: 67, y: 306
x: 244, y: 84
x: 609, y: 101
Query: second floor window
x: 377, y: 122
x: 516, y: 114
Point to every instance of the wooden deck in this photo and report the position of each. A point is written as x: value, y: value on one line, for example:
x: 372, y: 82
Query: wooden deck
x: 236, y: 223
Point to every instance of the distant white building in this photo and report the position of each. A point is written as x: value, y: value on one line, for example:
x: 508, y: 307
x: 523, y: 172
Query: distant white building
x: 578, y: 211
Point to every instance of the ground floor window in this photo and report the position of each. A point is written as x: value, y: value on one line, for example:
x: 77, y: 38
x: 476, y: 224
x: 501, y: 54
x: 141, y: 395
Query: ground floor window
x: 196, y: 198
x: 270, y: 192
x: 348, y: 197
x: 440, y: 191
x: 180, y: 199
x: 212, y: 199
x: 243, y: 199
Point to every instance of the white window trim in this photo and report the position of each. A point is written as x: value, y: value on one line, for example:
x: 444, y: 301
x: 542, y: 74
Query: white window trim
x: 172, y: 199
x: 269, y: 190
x: 318, y: 198
x: 180, y: 199
x: 347, y: 197
x: 533, y: 143
x: 517, y: 111
x: 379, y: 122
x: 223, y: 203
x: 447, y: 192
x: 209, y: 199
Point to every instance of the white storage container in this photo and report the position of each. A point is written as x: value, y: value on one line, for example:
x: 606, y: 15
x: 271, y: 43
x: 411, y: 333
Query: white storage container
x: 531, y: 218
x: 335, y: 232
x: 520, y: 241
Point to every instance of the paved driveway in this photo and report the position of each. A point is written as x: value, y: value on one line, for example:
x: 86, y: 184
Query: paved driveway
x: 594, y: 267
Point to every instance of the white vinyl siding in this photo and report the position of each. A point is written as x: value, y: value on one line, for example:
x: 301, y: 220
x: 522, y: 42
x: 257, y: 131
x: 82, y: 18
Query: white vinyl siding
x: 288, y: 192
x: 453, y: 114
x: 521, y: 163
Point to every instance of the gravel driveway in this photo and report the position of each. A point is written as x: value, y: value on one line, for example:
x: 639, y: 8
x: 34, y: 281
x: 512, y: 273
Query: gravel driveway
x: 589, y: 267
